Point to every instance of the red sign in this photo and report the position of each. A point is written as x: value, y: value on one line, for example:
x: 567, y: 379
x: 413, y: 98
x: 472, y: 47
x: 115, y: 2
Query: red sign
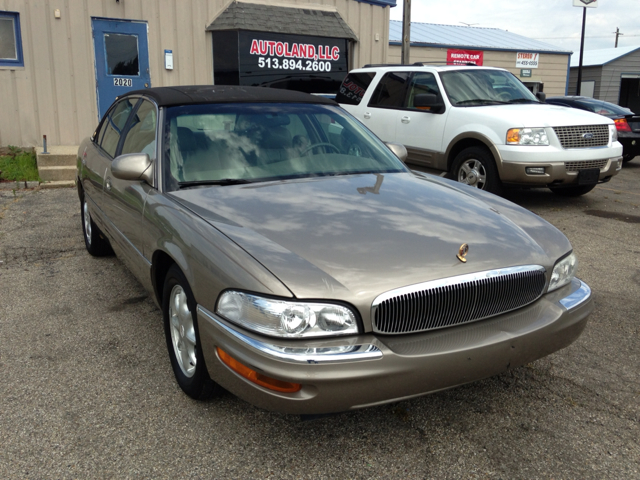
x: 463, y: 57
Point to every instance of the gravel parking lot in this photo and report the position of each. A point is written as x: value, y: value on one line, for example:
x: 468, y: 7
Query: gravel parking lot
x: 87, y: 388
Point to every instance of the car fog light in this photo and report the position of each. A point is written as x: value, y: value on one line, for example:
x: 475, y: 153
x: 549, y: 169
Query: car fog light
x: 255, y: 377
x: 619, y: 164
x: 534, y: 170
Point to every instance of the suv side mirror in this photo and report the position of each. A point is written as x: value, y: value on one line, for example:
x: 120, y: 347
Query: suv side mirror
x: 541, y: 96
x: 398, y: 150
x: 428, y: 100
x: 133, y: 166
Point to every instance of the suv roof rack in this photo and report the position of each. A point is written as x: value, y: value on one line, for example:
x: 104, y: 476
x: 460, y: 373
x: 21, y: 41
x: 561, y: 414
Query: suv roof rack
x: 418, y: 64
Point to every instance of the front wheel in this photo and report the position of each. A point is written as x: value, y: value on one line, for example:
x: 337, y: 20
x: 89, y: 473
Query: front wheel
x: 94, y: 240
x: 573, y: 191
x: 628, y: 157
x: 183, y: 339
x: 474, y: 166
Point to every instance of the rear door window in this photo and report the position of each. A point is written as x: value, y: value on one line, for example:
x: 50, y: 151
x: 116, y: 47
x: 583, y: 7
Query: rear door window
x: 113, y: 125
x: 391, y: 90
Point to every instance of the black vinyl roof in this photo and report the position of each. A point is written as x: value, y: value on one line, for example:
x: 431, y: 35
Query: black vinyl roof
x: 195, y: 94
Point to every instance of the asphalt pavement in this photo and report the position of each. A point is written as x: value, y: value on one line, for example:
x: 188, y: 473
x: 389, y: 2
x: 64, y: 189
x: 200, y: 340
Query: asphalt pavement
x: 87, y: 390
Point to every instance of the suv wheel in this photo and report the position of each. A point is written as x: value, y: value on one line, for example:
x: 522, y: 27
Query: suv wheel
x: 474, y: 166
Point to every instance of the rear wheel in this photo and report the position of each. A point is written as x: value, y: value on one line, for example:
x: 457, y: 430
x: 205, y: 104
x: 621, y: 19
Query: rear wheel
x: 183, y: 338
x: 94, y: 240
x: 572, y: 191
x: 474, y: 166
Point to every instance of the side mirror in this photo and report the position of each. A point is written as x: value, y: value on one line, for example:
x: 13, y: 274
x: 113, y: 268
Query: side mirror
x: 428, y: 100
x: 541, y: 96
x: 398, y: 150
x: 133, y: 166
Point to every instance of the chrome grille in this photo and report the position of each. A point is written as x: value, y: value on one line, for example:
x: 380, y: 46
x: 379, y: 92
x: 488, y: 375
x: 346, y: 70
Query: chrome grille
x: 457, y: 300
x: 577, y: 166
x: 573, y: 137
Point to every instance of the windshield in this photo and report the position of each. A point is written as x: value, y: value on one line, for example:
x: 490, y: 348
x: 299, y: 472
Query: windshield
x: 473, y: 87
x: 224, y: 144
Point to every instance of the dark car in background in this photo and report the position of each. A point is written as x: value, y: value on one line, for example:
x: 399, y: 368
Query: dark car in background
x: 627, y: 122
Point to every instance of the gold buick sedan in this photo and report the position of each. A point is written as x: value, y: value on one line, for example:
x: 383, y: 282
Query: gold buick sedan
x: 301, y: 266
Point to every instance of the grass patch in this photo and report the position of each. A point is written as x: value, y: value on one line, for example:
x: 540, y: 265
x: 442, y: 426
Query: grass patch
x: 19, y: 165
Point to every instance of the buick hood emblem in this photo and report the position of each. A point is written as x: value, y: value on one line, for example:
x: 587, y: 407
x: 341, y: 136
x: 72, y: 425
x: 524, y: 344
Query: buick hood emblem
x: 462, y: 252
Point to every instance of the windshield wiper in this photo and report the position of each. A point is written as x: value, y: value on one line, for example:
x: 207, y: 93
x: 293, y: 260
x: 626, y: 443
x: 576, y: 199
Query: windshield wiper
x: 482, y: 101
x: 523, y: 100
x: 221, y: 182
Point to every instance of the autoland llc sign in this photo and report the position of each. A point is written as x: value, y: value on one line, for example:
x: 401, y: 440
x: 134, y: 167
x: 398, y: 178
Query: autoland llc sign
x: 299, y: 62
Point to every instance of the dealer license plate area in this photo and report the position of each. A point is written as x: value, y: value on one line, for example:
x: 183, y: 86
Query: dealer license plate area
x: 588, y: 176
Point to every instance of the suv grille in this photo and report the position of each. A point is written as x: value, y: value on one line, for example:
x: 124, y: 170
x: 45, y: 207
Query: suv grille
x: 577, y: 166
x: 574, y: 137
x: 457, y: 300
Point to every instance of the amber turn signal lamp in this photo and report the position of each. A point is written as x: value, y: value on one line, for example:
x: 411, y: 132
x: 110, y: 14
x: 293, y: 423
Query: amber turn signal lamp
x: 513, y: 136
x: 622, y: 125
x: 255, y: 377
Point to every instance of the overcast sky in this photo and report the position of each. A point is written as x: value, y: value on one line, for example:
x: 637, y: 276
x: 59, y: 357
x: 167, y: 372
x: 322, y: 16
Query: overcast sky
x: 556, y: 22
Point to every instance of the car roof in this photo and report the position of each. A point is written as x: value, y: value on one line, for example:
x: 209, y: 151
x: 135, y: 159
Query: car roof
x: 198, y: 94
x: 581, y: 100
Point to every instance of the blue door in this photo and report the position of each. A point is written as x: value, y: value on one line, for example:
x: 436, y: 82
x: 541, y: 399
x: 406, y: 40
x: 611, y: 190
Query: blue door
x: 122, y: 59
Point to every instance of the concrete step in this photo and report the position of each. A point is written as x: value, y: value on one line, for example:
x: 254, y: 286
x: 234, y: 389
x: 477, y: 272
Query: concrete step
x: 58, y: 184
x: 59, y: 164
x: 52, y: 174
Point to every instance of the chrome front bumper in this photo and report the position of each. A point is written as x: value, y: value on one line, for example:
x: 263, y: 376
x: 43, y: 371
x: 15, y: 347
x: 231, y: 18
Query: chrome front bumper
x: 339, y: 374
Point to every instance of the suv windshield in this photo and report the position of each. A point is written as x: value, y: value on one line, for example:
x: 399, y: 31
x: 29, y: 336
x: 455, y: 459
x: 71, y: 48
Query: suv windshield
x: 473, y: 87
x: 226, y: 144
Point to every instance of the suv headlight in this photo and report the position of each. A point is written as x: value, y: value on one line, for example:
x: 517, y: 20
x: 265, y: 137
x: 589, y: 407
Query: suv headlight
x: 563, y: 272
x: 285, y: 318
x: 613, y: 133
x: 527, y: 136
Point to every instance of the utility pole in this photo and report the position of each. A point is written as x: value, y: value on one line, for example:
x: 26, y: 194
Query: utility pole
x: 584, y: 21
x: 584, y: 4
x: 406, y: 32
x: 617, y: 32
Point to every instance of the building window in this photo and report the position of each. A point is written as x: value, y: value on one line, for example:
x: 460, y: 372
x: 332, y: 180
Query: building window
x: 10, y: 40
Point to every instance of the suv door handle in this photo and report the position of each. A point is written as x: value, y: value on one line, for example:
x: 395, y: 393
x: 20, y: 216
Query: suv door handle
x: 367, y: 115
x: 405, y: 119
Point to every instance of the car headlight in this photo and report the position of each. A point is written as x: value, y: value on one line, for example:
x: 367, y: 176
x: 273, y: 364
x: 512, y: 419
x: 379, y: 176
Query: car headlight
x: 527, y: 136
x: 286, y: 318
x: 563, y: 272
x: 613, y: 133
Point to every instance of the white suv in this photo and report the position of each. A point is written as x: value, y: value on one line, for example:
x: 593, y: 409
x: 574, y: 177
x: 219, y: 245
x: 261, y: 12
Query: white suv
x: 483, y: 127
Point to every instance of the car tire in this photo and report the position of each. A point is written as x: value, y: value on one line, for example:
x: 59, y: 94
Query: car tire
x: 474, y: 166
x: 628, y: 157
x: 183, y: 338
x: 94, y: 240
x: 573, y: 191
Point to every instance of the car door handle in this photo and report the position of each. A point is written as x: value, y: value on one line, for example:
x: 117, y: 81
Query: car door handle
x: 405, y: 119
x: 108, y: 184
x: 367, y: 115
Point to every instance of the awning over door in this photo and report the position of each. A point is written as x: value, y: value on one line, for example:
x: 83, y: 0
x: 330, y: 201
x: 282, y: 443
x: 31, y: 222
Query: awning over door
x: 316, y: 21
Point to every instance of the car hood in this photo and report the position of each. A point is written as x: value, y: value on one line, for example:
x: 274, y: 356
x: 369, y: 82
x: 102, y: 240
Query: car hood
x: 354, y: 237
x: 537, y: 115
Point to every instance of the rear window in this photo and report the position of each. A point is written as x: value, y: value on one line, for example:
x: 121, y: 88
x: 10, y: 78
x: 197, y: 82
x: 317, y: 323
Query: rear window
x: 353, y: 87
